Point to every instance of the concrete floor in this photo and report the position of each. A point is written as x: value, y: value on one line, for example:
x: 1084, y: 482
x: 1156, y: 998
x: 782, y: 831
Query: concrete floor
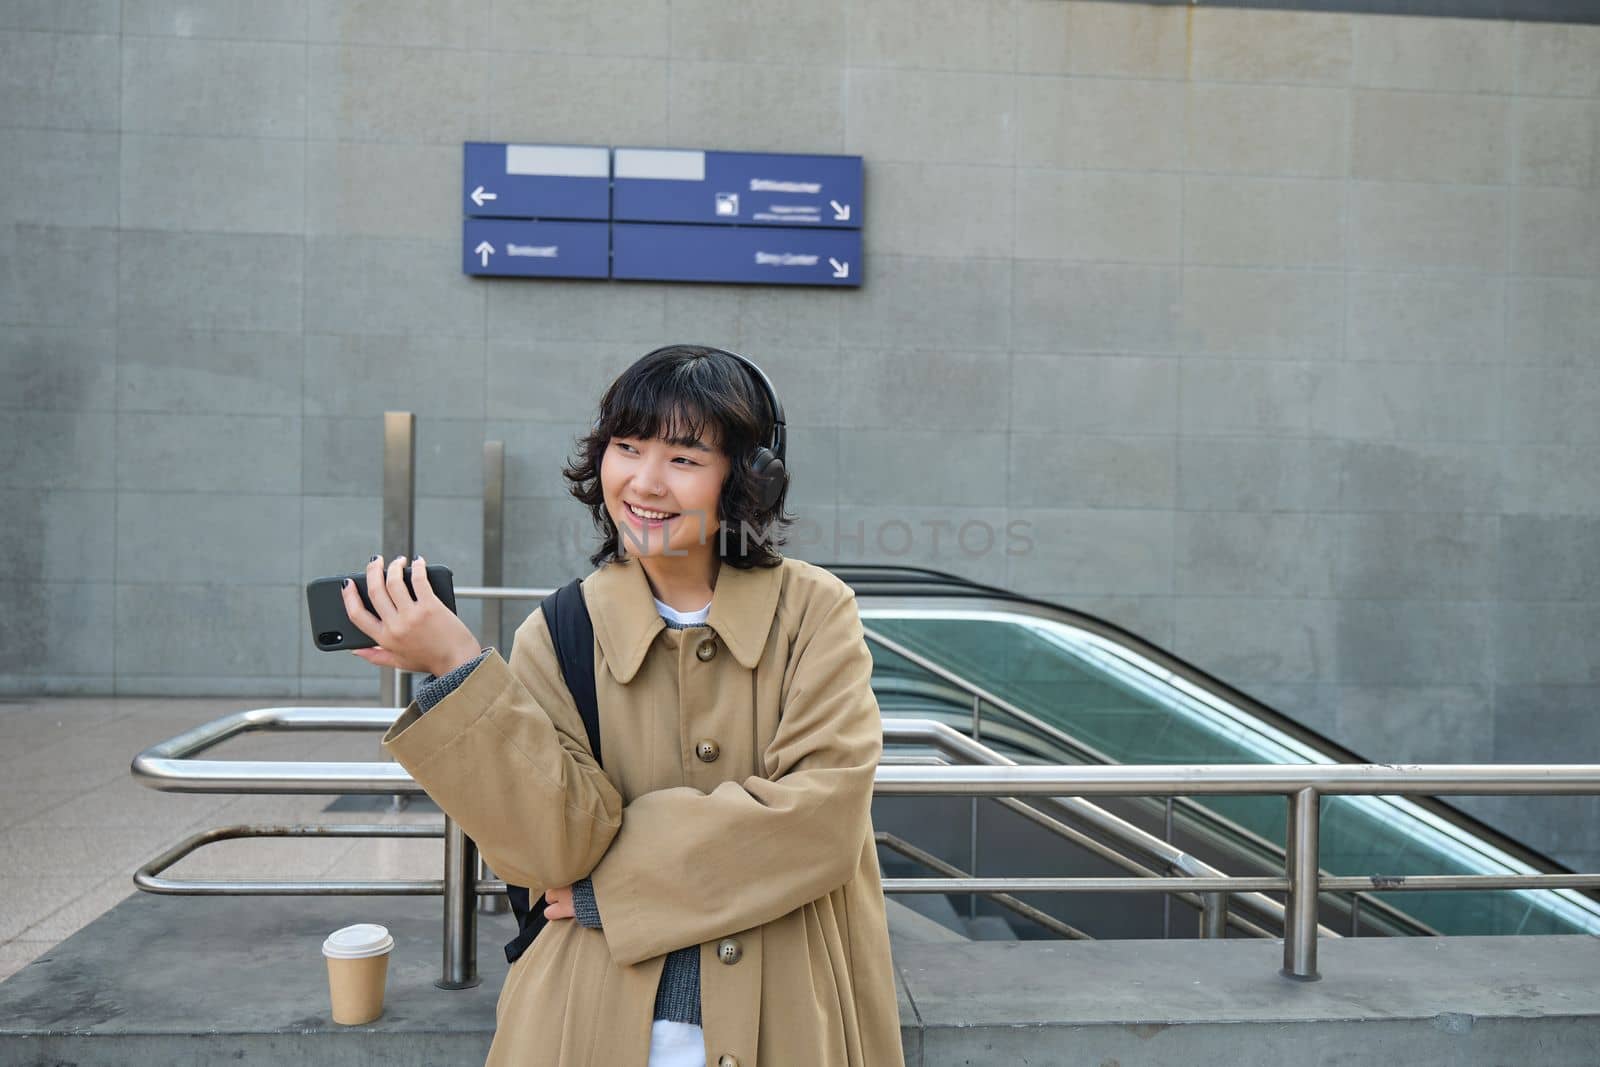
x: 74, y: 825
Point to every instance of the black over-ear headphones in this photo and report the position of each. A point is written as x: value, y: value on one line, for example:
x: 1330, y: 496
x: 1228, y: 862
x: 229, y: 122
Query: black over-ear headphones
x: 767, y: 469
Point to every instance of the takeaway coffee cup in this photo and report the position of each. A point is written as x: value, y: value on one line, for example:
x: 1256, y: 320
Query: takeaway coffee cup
x: 358, y: 970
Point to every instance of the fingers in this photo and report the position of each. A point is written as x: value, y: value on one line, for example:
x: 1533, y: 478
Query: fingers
x: 377, y: 592
x: 360, y: 617
x: 394, y: 578
x: 558, y: 903
x: 378, y: 657
x: 419, y: 582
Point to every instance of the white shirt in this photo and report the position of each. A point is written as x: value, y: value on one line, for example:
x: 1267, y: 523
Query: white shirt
x: 676, y: 1044
x: 683, y: 618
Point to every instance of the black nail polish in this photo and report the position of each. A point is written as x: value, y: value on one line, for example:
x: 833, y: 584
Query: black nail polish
x: 345, y: 584
x: 370, y: 560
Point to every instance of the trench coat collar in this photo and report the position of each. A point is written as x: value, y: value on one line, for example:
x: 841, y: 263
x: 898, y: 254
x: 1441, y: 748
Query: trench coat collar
x: 626, y: 621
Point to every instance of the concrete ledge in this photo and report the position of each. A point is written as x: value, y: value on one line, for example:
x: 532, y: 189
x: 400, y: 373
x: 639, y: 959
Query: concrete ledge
x: 1450, y: 1002
x: 199, y: 980
x: 204, y: 980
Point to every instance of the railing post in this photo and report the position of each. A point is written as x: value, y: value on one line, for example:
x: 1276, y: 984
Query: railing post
x: 1166, y: 898
x: 399, y: 525
x: 1300, y: 912
x: 460, y: 915
x: 397, y: 537
x: 494, y: 508
x: 490, y: 903
x: 1213, y: 914
x: 977, y: 735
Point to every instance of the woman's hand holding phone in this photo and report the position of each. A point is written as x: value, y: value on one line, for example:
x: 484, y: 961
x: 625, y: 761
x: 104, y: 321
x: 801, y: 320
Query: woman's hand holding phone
x: 418, y: 634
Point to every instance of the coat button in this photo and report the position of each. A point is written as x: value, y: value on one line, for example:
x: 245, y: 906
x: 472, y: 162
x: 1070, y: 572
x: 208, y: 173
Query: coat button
x: 729, y: 950
x: 708, y: 750
x: 727, y: 1061
x: 707, y: 649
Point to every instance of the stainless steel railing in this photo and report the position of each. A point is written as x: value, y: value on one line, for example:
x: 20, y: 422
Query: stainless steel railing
x: 982, y: 697
x: 1071, y: 812
x: 927, y: 859
x: 1302, y: 784
x: 169, y: 766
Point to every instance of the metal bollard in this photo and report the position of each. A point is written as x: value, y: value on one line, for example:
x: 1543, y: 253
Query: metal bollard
x: 1213, y: 915
x: 460, y: 915
x: 399, y: 524
x: 1300, y: 913
x: 494, y: 510
x: 490, y: 903
x: 398, y: 538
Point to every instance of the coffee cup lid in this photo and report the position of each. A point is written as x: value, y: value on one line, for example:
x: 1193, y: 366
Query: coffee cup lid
x: 358, y: 942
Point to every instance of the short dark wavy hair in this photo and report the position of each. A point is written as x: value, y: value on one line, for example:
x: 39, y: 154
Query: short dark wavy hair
x: 676, y: 393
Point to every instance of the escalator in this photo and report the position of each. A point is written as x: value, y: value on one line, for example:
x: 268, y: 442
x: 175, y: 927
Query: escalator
x: 1061, y: 687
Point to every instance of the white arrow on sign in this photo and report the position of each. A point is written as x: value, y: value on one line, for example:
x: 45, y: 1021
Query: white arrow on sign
x: 840, y: 270
x: 484, y: 250
x: 841, y: 212
x: 479, y: 196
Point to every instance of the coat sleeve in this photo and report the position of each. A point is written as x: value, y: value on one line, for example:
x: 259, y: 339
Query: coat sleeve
x: 505, y: 754
x: 688, y: 867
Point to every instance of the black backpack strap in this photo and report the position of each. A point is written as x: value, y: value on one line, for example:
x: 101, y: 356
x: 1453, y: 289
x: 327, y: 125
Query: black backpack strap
x: 566, y: 616
x: 572, y: 631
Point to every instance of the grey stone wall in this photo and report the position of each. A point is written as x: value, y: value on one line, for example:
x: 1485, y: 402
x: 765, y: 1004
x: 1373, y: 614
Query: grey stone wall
x: 1281, y: 330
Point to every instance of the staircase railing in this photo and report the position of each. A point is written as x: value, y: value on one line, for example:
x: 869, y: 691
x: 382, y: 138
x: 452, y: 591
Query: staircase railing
x: 171, y: 766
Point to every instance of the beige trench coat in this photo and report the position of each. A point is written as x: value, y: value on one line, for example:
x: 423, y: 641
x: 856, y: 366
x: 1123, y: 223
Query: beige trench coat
x: 764, y: 849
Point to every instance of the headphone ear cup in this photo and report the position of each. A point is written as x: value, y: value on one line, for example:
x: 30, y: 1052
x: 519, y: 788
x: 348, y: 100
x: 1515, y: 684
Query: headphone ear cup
x: 770, y: 476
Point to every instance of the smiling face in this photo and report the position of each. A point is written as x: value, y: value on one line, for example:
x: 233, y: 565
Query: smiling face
x: 662, y: 494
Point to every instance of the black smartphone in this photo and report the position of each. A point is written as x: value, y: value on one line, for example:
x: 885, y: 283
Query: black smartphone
x: 331, y: 628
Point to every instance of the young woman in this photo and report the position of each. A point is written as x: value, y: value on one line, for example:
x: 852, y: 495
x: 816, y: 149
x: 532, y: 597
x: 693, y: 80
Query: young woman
x: 714, y: 891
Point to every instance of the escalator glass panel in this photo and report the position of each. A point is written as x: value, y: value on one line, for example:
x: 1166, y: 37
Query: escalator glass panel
x: 1116, y: 706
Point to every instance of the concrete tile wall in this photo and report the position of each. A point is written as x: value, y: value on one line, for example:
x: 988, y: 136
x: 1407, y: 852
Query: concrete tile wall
x: 1270, y: 335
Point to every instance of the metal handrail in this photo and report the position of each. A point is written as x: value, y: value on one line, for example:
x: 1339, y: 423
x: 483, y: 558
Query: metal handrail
x: 1004, y: 900
x: 1303, y: 784
x: 503, y: 592
x: 148, y: 877
x: 982, y: 695
x: 1249, y: 779
x: 165, y: 766
x: 168, y: 766
x: 1161, y: 853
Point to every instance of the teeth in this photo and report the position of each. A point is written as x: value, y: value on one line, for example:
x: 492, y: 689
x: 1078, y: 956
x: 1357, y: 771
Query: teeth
x: 650, y: 514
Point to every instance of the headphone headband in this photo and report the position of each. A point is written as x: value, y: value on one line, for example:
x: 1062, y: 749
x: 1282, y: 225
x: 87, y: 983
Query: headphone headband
x: 778, y: 440
x: 767, y: 465
x: 776, y: 443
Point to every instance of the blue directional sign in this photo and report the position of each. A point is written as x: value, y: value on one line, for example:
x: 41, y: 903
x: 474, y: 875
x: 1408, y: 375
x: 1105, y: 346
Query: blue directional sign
x: 521, y: 249
x: 736, y: 188
x: 536, y: 181
x: 768, y: 256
